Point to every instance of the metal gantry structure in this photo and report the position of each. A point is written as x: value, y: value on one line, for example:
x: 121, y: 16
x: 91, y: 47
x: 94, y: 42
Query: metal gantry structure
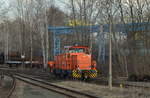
x: 57, y: 31
x: 100, y: 29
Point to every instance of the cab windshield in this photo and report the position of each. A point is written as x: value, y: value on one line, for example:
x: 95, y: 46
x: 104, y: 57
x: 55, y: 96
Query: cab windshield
x: 78, y: 50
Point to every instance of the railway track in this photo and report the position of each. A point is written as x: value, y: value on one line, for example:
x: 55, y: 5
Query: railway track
x: 126, y: 84
x: 52, y: 87
x: 12, y: 85
x: 45, y: 84
x: 12, y: 88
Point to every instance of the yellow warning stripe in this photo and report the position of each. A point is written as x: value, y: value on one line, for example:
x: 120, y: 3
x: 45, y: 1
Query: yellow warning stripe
x: 75, y: 74
x: 90, y: 74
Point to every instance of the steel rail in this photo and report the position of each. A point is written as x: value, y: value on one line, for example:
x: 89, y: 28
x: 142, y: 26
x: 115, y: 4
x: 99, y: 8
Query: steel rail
x: 104, y: 82
x: 13, y: 85
x: 53, y: 87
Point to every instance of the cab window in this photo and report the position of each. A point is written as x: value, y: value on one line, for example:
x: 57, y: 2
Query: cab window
x: 79, y: 50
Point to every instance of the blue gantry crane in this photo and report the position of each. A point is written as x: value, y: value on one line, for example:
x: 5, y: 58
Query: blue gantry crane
x: 100, y: 29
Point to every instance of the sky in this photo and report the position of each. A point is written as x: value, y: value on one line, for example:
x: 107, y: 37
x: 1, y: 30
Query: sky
x: 61, y: 4
x: 58, y: 3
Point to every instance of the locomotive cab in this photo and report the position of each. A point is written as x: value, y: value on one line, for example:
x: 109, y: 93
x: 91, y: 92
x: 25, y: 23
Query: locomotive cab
x: 77, y: 49
x: 83, y: 64
x: 80, y: 57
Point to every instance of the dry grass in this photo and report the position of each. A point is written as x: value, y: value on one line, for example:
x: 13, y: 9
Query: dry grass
x: 104, y: 92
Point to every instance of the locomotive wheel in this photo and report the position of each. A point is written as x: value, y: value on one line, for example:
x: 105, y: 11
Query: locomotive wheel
x: 62, y: 76
x: 84, y: 77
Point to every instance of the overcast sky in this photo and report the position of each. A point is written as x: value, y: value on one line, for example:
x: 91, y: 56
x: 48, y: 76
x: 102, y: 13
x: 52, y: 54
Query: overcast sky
x: 61, y: 4
x: 58, y: 3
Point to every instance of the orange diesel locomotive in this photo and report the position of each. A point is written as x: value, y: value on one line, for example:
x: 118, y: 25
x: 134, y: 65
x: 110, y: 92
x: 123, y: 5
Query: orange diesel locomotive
x: 76, y: 62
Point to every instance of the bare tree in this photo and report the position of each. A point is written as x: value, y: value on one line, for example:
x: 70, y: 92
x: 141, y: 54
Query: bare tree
x: 5, y: 26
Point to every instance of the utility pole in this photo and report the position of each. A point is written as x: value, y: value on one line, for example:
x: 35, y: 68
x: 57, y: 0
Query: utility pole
x: 110, y: 55
x: 47, y: 38
x: 110, y: 44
